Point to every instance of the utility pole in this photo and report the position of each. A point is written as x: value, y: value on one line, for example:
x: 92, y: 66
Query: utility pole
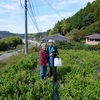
x: 26, y: 34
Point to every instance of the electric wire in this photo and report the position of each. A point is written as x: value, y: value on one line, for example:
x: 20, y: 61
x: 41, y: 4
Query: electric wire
x: 54, y: 9
x: 32, y: 13
x: 21, y: 4
x: 32, y: 6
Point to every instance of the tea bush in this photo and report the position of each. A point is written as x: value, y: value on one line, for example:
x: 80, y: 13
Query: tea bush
x: 20, y: 82
x: 78, y: 78
x: 76, y: 45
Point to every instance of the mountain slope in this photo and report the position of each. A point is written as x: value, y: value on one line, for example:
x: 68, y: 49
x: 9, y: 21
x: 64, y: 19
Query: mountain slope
x: 4, y: 34
x: 81, y: 20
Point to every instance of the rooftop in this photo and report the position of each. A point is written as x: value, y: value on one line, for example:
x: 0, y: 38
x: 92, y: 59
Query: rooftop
x: 56, y: 36
x: 93, y: 36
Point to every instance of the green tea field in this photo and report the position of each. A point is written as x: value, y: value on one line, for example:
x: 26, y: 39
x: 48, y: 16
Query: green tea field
x: 78, y: 77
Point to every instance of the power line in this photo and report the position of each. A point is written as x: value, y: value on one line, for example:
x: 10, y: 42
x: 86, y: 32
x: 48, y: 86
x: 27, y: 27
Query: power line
x: 35, y: 8
x: 43, y: 4
x: 21, y: 4
x: 32, y: 20
x: 54, y: 9
x: 32, y: 15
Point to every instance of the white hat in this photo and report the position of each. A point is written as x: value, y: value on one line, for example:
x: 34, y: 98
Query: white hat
x: 50, y: 41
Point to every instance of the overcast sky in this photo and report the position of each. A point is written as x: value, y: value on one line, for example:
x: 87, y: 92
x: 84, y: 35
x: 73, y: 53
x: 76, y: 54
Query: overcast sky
x: 12, y: 14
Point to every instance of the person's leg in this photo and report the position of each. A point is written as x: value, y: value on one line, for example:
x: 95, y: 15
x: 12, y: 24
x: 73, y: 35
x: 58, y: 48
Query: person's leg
x: 45, y: 70
x: 55, y: 74
x: 51, y: 72
x: 41, y: 71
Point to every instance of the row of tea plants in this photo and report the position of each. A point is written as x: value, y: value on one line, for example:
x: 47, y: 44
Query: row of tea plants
x: 78, y: 78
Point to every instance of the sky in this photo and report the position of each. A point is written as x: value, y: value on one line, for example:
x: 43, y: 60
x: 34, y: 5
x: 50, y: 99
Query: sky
x: 46, y: 14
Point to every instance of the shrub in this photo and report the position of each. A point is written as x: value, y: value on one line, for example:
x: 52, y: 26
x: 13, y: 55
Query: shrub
x: 9, y: 42
x: 20, y: 82
x: 92, y: 47
x: 76, y: 45
x: 3, y: 45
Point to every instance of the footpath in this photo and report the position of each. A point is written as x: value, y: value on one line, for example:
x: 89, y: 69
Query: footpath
x: 4, y: 56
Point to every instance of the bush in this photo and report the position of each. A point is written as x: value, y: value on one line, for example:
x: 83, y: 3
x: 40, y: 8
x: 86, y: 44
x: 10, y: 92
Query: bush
x: 21, y: 81
x: 3, y: 45
x: 92, y: 47
x: 78, y: 78
x: 9, y: 42
x: 17, y: 81
x: 76, y: 45
x: 13, y: 41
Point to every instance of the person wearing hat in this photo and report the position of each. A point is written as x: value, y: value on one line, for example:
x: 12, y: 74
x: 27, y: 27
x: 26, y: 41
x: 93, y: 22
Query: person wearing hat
x: 53, y: 52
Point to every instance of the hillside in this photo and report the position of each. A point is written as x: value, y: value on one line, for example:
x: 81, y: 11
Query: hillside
x: 38, y: 36
x: 85, y: 19
x: 4, y: 34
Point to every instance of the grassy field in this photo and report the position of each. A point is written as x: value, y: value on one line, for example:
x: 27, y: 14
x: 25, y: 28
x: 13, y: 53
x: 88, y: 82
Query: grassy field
x: 78, y: 78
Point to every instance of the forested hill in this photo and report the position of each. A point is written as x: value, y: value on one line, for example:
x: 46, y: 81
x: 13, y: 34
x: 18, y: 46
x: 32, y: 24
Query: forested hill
x: 4, y: 34
x: 84, y: 22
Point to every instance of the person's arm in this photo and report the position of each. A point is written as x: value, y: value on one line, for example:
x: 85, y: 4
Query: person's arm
x: 56, y: 50
x: 48, y: 51
x: 47, y: 61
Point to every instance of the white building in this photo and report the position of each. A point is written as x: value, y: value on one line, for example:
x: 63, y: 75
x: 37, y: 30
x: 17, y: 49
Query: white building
x: 93, y: 39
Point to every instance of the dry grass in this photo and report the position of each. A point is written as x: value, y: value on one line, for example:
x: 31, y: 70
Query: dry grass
x: 11, y: 60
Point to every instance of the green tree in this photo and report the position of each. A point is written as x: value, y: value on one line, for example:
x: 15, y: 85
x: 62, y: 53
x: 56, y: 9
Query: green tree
x: 51, y: 32
x: 74, y: 35
x: 3, y: 45
x: 13, y: 41
x: 84, y: 22
x: 89, y: 19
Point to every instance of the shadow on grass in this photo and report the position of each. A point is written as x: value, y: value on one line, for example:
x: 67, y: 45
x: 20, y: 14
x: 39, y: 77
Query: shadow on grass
x: 56, y: 86
x: 60, y: 75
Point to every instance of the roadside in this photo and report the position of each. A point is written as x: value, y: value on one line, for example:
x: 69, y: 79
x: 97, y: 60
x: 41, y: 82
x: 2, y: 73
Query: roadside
x: 6, y: 54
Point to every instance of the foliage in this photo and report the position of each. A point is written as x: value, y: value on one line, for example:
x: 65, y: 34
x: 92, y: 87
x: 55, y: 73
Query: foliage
x: 10, y: 42
x: 13, y: 41
x: 77, y: 78
x: 76, y: 45
x: 3, y: 45
x: 21, y: 81
x: 38, y: 36
x: 79, y: 35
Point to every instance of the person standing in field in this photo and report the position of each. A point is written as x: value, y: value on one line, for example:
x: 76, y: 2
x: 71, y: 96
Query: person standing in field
x: 52, y: 52
x: 44, y: 60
